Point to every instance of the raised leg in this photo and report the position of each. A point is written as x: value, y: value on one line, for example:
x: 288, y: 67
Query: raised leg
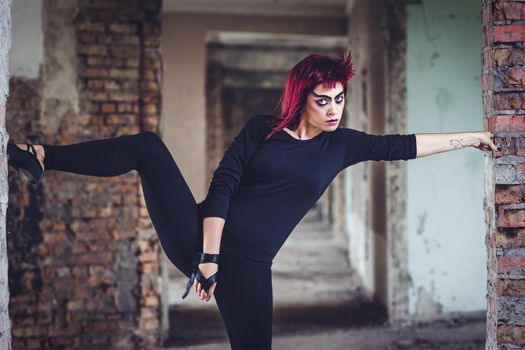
x: 171, y: 205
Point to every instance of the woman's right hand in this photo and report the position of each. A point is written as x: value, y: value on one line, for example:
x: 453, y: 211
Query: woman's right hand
x: 207, y: 270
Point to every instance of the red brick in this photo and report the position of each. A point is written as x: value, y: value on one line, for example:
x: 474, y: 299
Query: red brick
x: 91, y: 27
x: 514, y: 265
x: 150, y: 86
x: 94, y: 72
x: 122, y: 96
x: 509, y: 33
x: 510, y: 287
x: 97, y: 61
x: 92, y: 258
x: 150, y: 29
x: 506, y: 123
x: 95, y: 84
x: 127, y: 39
x: 509, y: 11
x: 92, y: 49
x: 124, y: 73
x: 153, y: 40
x: 510, y: 238
x: 504, y: 57
x: 108, y: 108
x: 101, y: 326
x: 511, y: 218
x: 149, y: 323
x: 509, y: 194
x: 75, y: 305
x: 87, y: 38
x: 149, y: 267
x: 486, y: 14
x: 508, y: 100
x: 105, y: 39
x: 123, y: 28
x: 61, y: 342
x: 96, y: 96
x: 55, y: 331
x: 511, y: 334
x: 124, y: 51
x: 28, y: 331
x: 128, y: 108
x: 151, y: 301
x: 150, y: 256
x: 55, y: 237
x: 510, y: 78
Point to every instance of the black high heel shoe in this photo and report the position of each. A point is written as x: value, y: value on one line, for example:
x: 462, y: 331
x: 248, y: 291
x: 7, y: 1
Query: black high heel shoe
x: 25, y: 162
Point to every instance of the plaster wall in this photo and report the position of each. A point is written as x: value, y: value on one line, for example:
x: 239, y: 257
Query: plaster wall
x: 183, y: 121
x: 363, y: 112
x: 27, y: 47
x: 445, y: 225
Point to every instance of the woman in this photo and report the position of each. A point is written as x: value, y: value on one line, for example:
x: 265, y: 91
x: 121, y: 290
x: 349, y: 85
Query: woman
x: 273, y: 172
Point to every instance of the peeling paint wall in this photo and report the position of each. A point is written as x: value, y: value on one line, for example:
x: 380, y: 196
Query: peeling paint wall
x: 445, y: 226
x: 27, y: 50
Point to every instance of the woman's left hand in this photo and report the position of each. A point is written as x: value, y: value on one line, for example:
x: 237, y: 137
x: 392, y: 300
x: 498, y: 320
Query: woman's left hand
x: 207, y: 269
x: 485, y: 141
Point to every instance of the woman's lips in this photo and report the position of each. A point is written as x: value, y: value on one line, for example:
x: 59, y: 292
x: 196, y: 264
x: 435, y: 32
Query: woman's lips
x: 332, y: 121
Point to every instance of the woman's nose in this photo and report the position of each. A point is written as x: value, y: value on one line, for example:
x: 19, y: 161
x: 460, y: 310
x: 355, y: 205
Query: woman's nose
x: 333, y: 108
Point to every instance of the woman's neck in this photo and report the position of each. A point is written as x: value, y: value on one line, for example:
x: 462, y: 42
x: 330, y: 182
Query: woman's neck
x: 304, y: 131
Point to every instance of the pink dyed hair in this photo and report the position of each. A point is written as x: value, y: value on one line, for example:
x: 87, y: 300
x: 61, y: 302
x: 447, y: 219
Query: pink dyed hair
x: 303, y: 78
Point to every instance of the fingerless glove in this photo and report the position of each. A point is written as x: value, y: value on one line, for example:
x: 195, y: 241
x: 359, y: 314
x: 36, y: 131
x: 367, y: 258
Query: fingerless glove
x: 206, y: 283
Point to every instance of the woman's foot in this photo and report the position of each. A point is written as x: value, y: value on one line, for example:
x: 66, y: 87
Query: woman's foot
x: 28, y: 159
x: 40, y: 153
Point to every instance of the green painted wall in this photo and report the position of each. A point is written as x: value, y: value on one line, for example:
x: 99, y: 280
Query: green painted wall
x: 447, y: 257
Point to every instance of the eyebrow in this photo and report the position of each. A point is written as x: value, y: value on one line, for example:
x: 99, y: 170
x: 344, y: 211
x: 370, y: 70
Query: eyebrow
x: 328, y: 97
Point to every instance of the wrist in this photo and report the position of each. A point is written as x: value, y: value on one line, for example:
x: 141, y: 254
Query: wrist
x: 210, y: 251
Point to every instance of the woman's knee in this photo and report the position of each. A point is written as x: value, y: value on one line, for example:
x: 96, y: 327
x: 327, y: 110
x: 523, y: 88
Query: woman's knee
x: 149, y: 141
x: 149, y: 137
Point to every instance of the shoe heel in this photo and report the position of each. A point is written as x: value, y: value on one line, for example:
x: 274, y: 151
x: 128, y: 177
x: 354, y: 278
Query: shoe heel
x: 26, y: 175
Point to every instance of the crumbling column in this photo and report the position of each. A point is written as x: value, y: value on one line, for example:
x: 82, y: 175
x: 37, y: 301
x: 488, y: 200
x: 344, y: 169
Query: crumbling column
x: 503, y: 57
x: 5, y: 44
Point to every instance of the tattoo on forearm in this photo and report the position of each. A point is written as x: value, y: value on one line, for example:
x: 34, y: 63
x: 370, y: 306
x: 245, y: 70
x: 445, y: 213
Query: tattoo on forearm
x: 457, y: 143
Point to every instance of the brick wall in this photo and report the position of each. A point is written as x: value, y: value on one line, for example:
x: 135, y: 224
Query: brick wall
x: 83, y: 254
x: 503, y: 57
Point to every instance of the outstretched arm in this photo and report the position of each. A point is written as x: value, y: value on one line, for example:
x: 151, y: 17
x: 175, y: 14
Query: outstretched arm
x: 428, y: 144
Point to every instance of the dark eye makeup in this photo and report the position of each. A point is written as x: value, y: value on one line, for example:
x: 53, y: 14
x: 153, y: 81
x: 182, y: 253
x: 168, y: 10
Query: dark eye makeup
x: 323, y: 101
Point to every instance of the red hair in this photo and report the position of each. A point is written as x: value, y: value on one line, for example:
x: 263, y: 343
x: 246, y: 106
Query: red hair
x: 303, y: 78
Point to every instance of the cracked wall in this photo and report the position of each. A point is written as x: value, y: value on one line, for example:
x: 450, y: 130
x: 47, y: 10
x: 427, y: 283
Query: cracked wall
x: 445, y: 191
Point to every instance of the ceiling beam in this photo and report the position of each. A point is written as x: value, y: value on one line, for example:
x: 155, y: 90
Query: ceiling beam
x: 289, y: 8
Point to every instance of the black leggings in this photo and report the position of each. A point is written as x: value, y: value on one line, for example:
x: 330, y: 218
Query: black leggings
x: 244, y: 288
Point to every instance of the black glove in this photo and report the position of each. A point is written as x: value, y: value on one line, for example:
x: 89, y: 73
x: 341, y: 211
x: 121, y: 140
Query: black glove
x: 206, y: 283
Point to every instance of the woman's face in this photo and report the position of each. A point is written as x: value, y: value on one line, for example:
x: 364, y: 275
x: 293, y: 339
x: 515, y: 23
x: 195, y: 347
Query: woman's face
x: 324, y: 107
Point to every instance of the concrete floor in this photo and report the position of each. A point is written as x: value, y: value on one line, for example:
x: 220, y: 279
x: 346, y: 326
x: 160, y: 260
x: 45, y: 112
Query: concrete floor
x: 319, y: 303
x: 468, y: 336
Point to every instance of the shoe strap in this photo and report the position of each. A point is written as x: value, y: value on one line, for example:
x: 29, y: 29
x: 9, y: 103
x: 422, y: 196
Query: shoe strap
x: 32, y: 149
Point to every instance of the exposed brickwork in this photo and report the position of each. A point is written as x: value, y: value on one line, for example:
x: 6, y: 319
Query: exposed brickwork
x: 504, y: 103
x: 84, y: 255
x: 23, y: 214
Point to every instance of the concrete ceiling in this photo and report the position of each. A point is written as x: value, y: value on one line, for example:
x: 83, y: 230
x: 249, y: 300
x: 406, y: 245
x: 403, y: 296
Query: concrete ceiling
x: 292, y: 8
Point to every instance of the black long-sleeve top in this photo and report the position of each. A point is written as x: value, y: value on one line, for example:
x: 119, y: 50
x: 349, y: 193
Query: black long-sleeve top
x: 263, y: 188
